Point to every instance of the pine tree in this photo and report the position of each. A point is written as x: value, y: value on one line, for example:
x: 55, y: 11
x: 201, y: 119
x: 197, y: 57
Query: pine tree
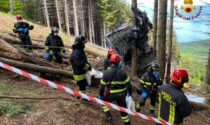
x: 161, y: 51
x: 170, y: 42
x: 155, y: 18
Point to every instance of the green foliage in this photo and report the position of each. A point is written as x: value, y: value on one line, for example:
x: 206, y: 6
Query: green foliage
x: 5, y: 6
x: 114, y: 12
x: 194, y: 58
x: 13, y: 108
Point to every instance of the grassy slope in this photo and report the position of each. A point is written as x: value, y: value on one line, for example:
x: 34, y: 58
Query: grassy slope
x: 194, y: 58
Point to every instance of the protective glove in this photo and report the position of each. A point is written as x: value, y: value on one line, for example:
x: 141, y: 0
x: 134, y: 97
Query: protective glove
x: 31, y: 27
x: 14, y: 30
x: 20, y: 30
x: 47, y: 55
x: 25, y: 30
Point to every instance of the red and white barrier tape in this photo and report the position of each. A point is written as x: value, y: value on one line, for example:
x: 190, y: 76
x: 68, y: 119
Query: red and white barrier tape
x: 76, y: 93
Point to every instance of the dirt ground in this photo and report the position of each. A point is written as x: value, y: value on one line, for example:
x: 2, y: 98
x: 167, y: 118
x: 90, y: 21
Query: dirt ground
x: 72, y: 111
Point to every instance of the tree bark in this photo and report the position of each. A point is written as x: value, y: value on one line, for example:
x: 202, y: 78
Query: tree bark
x: 134, y: 49
x: 58, y: 15
x: 76, y: 27
x: 12, y: 7
x: 170, y: 42
x: 67, y: 17
x: 46, y: 13
x: 155, y: 19
x: 161, y: 51
x: 36, y: 68
x: 82, y: 17
x: 90, y: 21
x: 208, y: 71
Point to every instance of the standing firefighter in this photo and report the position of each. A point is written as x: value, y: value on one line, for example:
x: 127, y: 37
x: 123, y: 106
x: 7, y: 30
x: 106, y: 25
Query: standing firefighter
x: 79, y: 63
x: 115, y: 85
x: 149, y: 83
x: 22, y: 28
x: 106, y: 61
x: 54, y: 46
x: 173, y: 104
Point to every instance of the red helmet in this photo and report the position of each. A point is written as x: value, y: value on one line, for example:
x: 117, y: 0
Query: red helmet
x: 112, y: 51
x: 179, y: 77
x: 115, y: 58
x: 19, y: 17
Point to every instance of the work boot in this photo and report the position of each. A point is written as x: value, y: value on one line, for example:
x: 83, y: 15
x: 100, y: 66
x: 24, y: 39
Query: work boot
x: 127, y: 123
x: 108, y: 115
x: 109, y: 118
x: 152, y: 113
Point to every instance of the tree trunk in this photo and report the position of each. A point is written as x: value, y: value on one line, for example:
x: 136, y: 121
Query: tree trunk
x: 208, y: 71
x: 90, y: 21
x: 36, y: 68
x: 161, y: 51
x: 11, y: 7
x: 82, y: 17
x: 46, y: 13
x: 170, y: 42
x: 155, y: 18
x: 58, y: 15
x: 86, y: 18
x: 67, y: 17
x: 134, y: 49
x: 76, y: 27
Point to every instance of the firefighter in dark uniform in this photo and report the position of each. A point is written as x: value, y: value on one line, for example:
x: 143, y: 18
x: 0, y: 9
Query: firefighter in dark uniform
x: 54, y: 46
x: 79, y: 63
x: 173, y: 104
x: 115, y: 85
x: 149, y: 83
x: 106, y: 61
x: 22, y: 28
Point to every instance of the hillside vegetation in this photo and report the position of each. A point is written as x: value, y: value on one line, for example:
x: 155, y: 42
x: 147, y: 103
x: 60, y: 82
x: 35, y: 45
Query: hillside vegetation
x: 194, y: 58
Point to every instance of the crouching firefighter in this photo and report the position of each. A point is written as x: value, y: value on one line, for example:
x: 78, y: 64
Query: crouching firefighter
x: 54, y: 46
x: 22, y: 28
x: 79, y: 63
x: 173, y: 104
x: 115, y: 85
x: 149, y: 83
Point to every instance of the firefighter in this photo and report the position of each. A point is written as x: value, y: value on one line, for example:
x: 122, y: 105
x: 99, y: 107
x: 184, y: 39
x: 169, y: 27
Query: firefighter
x: 54, y: 46
x: 149, y: 83
x: 106, y: 61
x: 22, y: 28
x: 79, y: 63
x: 173, y: 104
x: 115, y: 85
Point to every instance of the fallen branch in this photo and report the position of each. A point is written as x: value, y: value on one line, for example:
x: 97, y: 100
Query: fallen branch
x: 36, y: 68
x: 34, y: 98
